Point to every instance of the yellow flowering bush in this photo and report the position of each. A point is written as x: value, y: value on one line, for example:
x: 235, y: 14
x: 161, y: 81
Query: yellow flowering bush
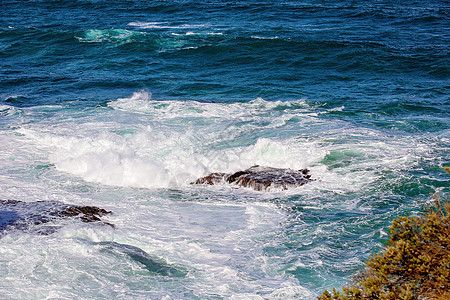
x: 414, y: 265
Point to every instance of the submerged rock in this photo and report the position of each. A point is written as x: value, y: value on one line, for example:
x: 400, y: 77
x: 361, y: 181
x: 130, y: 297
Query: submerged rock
x: 153, y: 265
x: 260, y: 178
x: 22, y: 215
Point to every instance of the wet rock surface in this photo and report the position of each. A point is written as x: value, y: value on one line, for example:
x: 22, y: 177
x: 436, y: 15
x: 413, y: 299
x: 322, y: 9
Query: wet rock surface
x: 260, y: 178
x: 20, y: 215
x: 85, y: 213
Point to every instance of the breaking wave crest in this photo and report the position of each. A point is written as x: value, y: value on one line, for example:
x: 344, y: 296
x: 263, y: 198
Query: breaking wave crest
x: 144, y: 143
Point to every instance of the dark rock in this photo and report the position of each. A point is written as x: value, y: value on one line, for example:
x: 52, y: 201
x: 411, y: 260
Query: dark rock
x: 86, y: 213
x: 260, y: 178
x: 213, y: 178
x: 19, y: 215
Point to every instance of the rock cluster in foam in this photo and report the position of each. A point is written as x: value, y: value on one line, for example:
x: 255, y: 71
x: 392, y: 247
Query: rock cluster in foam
x: 20, y: 215
x: 260, y: 178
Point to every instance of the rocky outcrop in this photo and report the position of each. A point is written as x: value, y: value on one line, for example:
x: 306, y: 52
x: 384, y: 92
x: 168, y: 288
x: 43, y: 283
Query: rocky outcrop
x: 260, y: 178
x: 85, y: 213
x: 20, y: 215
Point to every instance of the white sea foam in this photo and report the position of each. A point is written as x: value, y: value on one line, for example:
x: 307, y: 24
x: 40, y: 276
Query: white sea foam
x: 163, y: 25
x: 230, y: 242
x: 6, y: 109
x: 196, y: 33
x: 141, y: 102
x: 108, y: 35
x: 264, y: 37
x: 291, y: 152
x: 108, y: 159
x: 146, y: 143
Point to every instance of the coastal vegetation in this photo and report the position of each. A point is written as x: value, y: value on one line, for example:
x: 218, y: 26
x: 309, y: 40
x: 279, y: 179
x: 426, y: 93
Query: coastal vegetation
x: 415, y: 263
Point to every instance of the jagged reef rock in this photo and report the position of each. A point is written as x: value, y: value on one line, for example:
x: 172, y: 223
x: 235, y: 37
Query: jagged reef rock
x: 260, y: 178
x: 22, y: 215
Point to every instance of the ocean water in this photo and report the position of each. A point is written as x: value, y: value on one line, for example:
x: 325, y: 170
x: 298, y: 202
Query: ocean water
x: 122, y: 104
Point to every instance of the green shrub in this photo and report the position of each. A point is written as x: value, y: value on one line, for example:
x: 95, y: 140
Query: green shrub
x: 414, y: 265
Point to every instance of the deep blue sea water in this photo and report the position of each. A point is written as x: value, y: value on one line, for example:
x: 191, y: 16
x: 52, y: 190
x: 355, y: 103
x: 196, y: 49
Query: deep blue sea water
x: 121, y: 104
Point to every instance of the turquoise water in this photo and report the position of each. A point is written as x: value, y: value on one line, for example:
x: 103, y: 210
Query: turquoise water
x: 122, y: 104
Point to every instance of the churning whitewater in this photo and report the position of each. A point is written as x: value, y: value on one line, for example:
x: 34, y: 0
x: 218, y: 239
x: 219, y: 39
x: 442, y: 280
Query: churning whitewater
x: 137, y: 157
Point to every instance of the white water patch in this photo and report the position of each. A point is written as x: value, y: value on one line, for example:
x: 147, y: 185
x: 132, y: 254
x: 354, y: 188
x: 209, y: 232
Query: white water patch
x: 231, y: 137
x: 108, y: 159
x: 109, y: 35
x: 196, y: 33
x: 179, y: 36
x: 221, y: 242
x: 266, y: 152
x: 4, y: 107
x: 114, y: 168
x: 257, y: 37
x: 26, y: 174
x: 163, y: 25
x: 228, y: 242
x: 141, y: 102
x: 6, y: 110
x: 143, y: 143
x: 214, y: 258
